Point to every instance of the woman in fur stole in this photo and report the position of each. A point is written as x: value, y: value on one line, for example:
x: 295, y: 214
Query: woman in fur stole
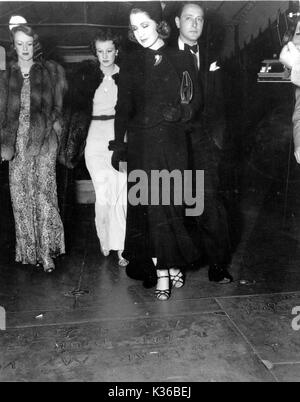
x: 31, y: 102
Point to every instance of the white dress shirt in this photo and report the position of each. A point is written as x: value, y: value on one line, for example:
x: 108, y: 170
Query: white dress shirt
x: 181, y: 47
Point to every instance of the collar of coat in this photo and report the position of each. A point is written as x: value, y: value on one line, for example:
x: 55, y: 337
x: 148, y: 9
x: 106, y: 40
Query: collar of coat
x: 91, y: 73
x: 115, y: 76
x: 85, y: 81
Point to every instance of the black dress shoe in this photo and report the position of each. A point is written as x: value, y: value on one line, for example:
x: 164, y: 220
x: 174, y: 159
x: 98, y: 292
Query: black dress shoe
x: 218, y: 273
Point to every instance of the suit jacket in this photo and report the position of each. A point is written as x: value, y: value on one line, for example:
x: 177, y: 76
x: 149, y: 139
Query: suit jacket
x: 211, y: 114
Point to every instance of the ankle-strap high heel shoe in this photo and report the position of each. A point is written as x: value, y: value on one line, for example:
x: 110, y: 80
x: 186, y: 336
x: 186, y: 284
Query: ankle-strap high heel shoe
x: 48, y: 265
x: 177, y: 280
x: 122, y: 261
x: 104, y: 251
x: 163, y: 294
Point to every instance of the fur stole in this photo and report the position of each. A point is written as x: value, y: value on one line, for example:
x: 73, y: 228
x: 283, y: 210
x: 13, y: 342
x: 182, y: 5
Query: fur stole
x: 47, y: 87
x: 3, y: 97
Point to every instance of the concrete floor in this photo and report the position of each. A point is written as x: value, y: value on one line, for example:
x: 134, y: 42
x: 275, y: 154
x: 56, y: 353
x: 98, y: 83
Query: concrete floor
x: 98, y: 325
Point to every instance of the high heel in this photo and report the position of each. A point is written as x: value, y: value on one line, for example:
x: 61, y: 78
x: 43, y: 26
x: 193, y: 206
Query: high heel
x: 177, y: 280
x: 163, y: 294
x: 122, y: 261
x: 48, y: 265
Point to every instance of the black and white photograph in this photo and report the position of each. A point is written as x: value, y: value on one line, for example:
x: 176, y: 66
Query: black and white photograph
x: 150, y: 194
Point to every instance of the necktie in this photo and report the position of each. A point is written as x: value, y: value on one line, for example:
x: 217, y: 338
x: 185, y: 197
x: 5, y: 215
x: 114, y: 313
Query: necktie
x: 193, y: 50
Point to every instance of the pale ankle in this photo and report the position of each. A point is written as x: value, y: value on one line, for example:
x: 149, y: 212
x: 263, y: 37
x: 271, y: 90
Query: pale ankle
x: 162, y: 272
x: 163, y: 285
x: 174, y: 271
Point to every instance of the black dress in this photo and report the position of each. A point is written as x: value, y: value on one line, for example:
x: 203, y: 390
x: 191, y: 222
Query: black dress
x: 149, y: 81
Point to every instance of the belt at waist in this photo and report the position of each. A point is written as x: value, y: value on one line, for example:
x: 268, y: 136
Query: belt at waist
x: 103, y: 117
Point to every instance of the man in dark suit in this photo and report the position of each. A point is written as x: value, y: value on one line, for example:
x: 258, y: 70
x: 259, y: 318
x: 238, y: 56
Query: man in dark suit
x: 212, y: 234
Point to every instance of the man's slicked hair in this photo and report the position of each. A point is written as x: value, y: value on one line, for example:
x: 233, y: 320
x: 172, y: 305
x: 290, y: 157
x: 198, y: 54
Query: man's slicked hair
x: 183, y: 4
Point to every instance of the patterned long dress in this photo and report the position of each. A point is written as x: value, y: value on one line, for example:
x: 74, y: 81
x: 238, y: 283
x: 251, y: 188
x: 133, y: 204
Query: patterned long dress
x: 39, y: 229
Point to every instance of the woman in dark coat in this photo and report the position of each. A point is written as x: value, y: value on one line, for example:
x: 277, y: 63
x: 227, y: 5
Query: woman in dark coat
x: 31, y: 104
x: 90, y: 127
x: 150, y: 111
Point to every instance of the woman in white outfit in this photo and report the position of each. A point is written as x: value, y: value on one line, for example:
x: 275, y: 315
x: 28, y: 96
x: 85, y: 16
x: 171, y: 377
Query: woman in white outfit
x: 110, y: 185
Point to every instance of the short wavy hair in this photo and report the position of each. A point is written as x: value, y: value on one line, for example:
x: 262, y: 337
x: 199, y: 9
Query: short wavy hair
x: 104, y: 35
x: 163, y: 29
x: 29, y: 31
x: 183, y: 4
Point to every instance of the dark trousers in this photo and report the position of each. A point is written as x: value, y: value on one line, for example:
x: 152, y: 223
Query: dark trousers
x: 210, y: 233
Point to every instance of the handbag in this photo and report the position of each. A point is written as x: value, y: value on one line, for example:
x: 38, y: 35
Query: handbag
x: 186, y: 88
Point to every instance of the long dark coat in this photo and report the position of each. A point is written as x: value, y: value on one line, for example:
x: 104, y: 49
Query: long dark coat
x: 149, y: 81
x: 79, y: 109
